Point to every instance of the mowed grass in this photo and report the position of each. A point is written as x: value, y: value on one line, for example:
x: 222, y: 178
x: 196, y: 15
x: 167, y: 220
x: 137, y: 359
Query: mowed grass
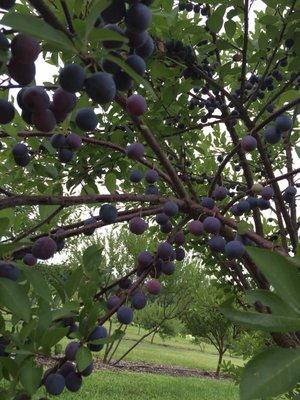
x: 107, y: 385
x: 176, y: 351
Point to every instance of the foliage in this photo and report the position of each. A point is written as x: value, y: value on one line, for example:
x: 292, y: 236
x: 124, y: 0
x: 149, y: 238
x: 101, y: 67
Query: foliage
x: 203, y: 102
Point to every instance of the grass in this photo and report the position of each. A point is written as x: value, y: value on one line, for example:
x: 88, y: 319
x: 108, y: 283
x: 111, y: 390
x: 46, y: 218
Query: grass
x: 176, y: 351
x: 108, y: 385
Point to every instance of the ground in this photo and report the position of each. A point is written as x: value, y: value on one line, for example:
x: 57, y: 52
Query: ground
x: 108, y: 385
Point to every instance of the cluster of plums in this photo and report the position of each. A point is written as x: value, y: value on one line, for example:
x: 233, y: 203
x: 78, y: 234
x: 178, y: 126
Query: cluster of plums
x: 196, y: 8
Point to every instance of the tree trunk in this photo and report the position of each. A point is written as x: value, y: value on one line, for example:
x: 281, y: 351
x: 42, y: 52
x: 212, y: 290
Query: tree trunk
x: 152, y: 338
x: 220, y: 359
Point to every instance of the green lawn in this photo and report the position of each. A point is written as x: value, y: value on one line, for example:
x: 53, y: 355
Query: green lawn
x: 175, y: 351
x: 136, y: 386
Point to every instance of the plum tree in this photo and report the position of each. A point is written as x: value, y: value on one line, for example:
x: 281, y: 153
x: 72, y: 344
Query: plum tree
x: 136, y: 105
x: 72, y: 77
x: 202, y: 116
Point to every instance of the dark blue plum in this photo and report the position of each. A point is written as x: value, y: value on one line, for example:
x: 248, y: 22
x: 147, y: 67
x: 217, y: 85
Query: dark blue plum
x: 171, y: 208
x: 272, y: 135
x: 99, y: 332
x: 108, y: 213
x: 55, y: 384
x: 212, y: 225
x: 234, y: 249
x: 138, y: 300
x: 125, y: 315
x: 207, y: 202
x: 217, y: 243
x: 136, y: 176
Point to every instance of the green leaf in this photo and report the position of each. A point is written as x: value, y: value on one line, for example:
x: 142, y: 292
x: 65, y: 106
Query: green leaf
x: 37, y: 28
x: 111, y: 182
x: 92, y: 258
x: 4, y: 225
x: 46, y: 170
x: 30, y: 376
x: 230, y: 28
x: 268, y: 19
x: 83, y: 358
x: 265, y: 322
x: 243, y: 227
x: 281, y: 272
x: 271, y: 300
x: 270, y: 373
x: 73, y: 282
x: 215, y: 21
x: 53, y: 336
x: 39, y: 284
x: 95, y: 10
x: 14, y: 297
